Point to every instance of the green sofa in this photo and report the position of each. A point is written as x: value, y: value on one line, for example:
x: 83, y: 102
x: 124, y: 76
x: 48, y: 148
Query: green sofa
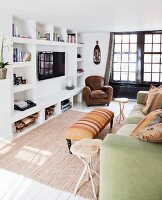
x: 130, y: 169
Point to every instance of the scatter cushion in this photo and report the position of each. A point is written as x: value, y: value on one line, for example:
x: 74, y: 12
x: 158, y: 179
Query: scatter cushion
x: 151, y: 133
x: 151, y: 119
x: 157, y: 102
x: 153, y: 99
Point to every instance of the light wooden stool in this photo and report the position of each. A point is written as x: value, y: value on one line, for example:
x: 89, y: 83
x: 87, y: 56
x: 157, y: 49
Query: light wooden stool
x: 85, y: 149
x: 122, y: 102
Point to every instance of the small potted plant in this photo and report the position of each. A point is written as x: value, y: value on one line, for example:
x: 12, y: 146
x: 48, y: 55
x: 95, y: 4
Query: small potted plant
x: 3, y: 70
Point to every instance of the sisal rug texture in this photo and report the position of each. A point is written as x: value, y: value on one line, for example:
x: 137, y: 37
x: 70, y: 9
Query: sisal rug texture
x: 43, y: 156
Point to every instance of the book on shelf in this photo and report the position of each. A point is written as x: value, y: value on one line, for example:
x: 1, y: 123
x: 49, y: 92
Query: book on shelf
x: 72, y: 38
x: 15, y: 32
x: 20, y: 56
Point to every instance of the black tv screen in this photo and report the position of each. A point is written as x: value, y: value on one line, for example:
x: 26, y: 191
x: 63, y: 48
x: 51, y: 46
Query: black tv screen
x: 51, y: 64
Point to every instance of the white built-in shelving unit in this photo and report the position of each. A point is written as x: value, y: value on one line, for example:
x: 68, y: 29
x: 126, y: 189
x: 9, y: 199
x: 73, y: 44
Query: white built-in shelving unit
x: 47, y: 92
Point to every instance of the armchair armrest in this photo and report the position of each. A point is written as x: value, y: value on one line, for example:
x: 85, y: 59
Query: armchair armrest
x: 130, y: 169
x: 109, y: 90
x: 141, y: 97
x: 86, y: 94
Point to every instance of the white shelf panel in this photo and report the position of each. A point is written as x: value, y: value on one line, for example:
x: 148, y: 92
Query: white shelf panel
x: 22, y: 64
x: 54, y: 43
x: 79, y: 59
x: 22, y: 87
x: 80, y: 74
x: 22, y: 40
x: 58, y: 97
x: 17, y: 115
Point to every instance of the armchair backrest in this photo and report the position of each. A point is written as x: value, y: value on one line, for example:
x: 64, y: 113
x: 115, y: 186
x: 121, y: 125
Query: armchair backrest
x: 94, y: 82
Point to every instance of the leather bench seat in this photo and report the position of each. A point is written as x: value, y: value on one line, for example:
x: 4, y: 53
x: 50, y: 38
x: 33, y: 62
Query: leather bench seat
x: 90, y: 125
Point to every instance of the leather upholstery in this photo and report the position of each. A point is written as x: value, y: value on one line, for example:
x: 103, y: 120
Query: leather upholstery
x: 95, y: 92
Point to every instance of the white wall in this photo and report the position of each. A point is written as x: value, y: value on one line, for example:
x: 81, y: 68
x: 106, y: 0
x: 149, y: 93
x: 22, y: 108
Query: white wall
x: 89, y: 39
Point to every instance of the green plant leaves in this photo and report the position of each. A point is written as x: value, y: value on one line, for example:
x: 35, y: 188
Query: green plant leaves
x: 3, y: 65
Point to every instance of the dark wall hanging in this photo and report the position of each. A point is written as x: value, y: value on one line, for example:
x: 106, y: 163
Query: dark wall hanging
x: 97, y: 54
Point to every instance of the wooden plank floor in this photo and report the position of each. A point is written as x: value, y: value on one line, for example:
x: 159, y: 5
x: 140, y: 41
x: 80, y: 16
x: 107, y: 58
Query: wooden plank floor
x: 16, y: 187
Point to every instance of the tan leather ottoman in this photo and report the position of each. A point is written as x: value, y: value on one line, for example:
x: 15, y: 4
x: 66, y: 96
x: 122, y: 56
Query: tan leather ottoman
x: 90, y: 125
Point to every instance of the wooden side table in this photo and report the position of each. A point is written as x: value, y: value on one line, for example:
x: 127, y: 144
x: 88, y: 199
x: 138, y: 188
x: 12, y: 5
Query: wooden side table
x: 85, y: 149
x: 122, y: 102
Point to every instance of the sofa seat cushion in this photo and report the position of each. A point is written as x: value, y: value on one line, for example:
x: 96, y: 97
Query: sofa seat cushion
x: 136, y: 115
x: 126, y: 130
x: 95, y: 94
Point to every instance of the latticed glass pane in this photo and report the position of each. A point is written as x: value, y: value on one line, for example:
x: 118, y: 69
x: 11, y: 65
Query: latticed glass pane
x: 155, y: 67
x: 147, y: 58
x: 116, y: 66
x: 125, y: 47
x: 147, y: 67
x: 124, y: 67
x: 125, y: 39
x: 124, y: 57
x: 156, y: 47
x: 156, y: 58
x: 156, y: 38
x: 155, y: 77
x: 132, y: 67
x: 117, y: 48
x: 133, y: 47
x: 132, y: 57
x: 124, y: 76
x: 147, y: 77
x: 132, y: 76
x: 148, y: 38
x: 117, y: 38
x: 133, y: 38
x: 148, y: 47
x: 117, y: 57
x: 116, y: 76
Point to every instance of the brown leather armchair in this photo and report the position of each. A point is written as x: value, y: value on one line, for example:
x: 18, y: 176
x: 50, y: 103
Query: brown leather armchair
x: 96, y: 92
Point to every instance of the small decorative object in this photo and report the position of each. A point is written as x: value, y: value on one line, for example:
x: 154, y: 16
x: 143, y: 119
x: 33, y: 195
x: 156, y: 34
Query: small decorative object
x: 3, y: 70
x: 69, y: 83
x: 23, y: 81
x: 47, y: 36
x: 19, y: 80
x: 97, y: 54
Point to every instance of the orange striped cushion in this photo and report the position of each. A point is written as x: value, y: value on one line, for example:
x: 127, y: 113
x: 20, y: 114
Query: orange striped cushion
x: 89, y: 125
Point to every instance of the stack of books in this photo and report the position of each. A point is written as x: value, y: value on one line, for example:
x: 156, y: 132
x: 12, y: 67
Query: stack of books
x: 71, y: 38
x: 15, y: 32
x: 20, y: 56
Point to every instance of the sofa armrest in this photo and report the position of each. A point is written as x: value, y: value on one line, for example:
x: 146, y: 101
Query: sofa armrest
x: 141, y: 97
x: 130, y: 169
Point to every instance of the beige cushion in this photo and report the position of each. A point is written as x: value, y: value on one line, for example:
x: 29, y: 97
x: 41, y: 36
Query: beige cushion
x: 153, y: 92
x: 151, y: 119
x: 151, y: 133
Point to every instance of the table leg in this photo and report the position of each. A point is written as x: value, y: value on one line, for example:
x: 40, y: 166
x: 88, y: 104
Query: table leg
x: 93, y: 188
x: 81, y: 177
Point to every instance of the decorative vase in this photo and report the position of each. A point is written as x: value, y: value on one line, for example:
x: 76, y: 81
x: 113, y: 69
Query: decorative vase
x: 3, y: 73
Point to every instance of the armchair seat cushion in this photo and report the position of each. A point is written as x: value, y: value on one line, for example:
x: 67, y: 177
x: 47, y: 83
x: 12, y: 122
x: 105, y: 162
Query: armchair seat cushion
x: 98, y: 94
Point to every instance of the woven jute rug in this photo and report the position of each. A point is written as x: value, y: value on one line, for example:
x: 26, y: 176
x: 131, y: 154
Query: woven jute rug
x: 43, y: 156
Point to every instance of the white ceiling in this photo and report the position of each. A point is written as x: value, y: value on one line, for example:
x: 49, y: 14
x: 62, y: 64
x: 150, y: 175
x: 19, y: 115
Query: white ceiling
x: 91, y: 15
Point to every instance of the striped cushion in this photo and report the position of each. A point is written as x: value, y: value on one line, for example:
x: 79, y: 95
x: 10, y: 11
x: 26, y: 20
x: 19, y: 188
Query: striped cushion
x: 90, y: 125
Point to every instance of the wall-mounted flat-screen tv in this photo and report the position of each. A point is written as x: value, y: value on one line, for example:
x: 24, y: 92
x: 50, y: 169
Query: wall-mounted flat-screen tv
x: 50, y: 64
